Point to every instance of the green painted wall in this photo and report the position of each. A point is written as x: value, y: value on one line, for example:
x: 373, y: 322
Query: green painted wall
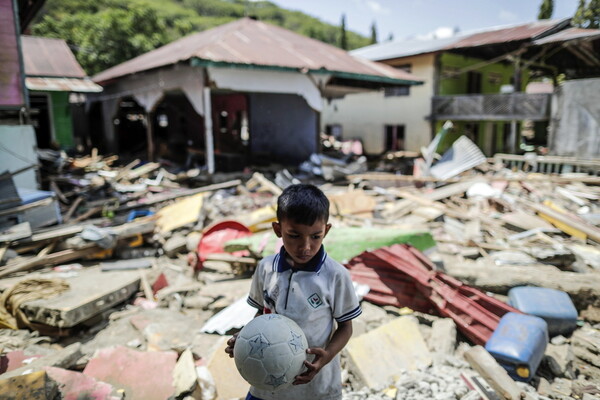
x: 61, y: 117
x: 493, y: 76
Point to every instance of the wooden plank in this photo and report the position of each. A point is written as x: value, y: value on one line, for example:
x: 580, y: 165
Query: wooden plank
x: 493, y: 373
x: 183, y: 193
x: 16, y: 232
x: 50, y: 259
x: 568, y: 219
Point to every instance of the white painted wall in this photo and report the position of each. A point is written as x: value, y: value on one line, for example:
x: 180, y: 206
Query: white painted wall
x: 364, y: 116
x: 17, y: 150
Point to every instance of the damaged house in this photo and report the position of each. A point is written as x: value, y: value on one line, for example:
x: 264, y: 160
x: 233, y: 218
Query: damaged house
x: 244, y: 92
x: 490, y: 84
x: 57, y: 85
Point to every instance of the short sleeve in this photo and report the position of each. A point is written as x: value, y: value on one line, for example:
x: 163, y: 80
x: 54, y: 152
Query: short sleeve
x: 345, y: 303
x: 255, y: 297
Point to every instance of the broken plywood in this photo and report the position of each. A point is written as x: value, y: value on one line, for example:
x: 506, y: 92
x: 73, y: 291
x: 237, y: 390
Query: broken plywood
x: 384, y: 353
x: 91, y: 292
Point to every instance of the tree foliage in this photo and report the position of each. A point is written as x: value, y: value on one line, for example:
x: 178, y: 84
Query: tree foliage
x: 373, y: 33
x: 546, y: 9
x: 103, y: 33
x: 587, y: 14
x: 343, y: 35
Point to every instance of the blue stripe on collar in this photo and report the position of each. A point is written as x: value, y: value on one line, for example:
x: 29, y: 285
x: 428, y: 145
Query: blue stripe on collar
x: 313, y: 265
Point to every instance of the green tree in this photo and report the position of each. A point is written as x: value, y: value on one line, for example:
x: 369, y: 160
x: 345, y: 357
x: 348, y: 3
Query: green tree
x: 587, y: 14
x: 546, y: 9
x: 109, y: 37
x: 373, y: 33
x: 390, y: 37
x: 343, y: 35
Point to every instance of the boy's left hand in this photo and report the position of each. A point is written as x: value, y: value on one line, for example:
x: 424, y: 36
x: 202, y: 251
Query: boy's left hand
x: 322, y: 357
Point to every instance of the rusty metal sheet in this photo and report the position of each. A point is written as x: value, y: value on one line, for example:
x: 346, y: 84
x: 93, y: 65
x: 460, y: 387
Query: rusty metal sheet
x: 570, y: 34
x: 78, y: 85
x: 254, y: 43
x: 49, y: 57
x: 528, y: 31
x: 401, y: 275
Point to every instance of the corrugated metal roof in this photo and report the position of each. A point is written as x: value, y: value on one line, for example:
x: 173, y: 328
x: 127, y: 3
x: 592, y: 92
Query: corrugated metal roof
x: 388, y: 50
x: 494, y: 35
x: 529, y: 31
x: 49, y: 57
x: 255, y: 43
x: 570, y: 34
x: 78, y: 85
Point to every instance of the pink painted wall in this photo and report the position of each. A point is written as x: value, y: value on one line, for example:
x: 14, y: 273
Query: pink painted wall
x: 11, y: 83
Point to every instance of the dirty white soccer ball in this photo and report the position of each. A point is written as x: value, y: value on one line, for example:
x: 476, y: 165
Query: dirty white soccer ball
x: 270, y: 351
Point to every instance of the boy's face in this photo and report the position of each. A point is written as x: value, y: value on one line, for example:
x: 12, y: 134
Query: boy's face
x: 301, y: 242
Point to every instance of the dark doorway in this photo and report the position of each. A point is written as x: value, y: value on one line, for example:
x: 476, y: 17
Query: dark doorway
x: 40, y: 119
x: 394, y: 138
x: 130, y: 129
x: 179, y: 131
x: 473, y: 82
x: 230, y: 129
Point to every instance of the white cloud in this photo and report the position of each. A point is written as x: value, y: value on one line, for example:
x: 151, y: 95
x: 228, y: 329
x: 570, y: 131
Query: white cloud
x: 507, y: 16
x: 439, y: 33
x: 373, y: 5
x: 376, y: 7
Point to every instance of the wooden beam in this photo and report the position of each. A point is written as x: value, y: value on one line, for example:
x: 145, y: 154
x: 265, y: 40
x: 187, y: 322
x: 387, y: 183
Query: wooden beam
x: 496, y: 376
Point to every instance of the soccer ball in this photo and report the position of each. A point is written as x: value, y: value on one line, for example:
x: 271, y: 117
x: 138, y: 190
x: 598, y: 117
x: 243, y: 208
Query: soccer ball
x: 270, y: 351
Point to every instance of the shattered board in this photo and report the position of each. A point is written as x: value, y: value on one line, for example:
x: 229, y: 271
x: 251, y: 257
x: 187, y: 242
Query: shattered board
x: 91, y: 292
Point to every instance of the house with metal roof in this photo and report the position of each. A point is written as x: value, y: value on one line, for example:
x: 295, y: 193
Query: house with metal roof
x: 480, y: 81
x: 244, y: 92
x: 56, y: 84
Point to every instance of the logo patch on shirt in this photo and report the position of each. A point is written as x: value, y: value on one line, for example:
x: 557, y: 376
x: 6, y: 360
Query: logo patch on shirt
x: 314, y: 300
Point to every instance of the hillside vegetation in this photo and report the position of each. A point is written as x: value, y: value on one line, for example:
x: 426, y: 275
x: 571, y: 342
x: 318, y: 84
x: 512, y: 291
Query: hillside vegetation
x: 104, y: 33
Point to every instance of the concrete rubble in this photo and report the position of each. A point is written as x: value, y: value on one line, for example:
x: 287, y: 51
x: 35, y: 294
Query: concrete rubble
x: 135, y: 293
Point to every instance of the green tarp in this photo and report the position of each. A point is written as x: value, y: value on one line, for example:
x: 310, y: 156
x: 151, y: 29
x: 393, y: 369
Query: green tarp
x: 341, y: 243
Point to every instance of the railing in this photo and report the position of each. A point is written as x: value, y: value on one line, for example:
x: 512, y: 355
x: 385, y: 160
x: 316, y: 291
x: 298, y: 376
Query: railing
x: 548, y: 164
x: 492, y: 107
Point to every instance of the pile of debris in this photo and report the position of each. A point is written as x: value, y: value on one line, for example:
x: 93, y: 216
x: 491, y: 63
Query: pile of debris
x: 136, y: 292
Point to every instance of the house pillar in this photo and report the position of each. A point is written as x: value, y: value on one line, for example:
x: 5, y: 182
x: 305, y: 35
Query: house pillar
x: 512, y: 139
x: 150, y: 133
x: 208, y: 132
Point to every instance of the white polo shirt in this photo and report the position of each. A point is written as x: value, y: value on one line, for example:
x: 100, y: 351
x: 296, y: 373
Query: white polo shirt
x: 313, y: 297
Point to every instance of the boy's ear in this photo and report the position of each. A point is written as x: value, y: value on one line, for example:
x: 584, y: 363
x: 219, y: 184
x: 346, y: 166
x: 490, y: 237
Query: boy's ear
x: 276, y: 228
x: 327, y: 228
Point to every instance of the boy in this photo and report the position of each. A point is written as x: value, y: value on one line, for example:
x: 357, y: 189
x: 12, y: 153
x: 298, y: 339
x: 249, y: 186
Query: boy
x: 304, y: 284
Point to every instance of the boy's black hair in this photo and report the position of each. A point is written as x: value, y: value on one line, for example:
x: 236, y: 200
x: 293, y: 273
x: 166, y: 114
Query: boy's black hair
x: 303, y: 204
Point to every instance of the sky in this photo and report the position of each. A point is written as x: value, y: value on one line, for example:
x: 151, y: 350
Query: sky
x: 425, y: 18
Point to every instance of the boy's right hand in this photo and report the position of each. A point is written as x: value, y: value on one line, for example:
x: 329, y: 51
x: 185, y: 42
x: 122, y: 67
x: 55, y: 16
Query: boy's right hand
x: 231, y: 345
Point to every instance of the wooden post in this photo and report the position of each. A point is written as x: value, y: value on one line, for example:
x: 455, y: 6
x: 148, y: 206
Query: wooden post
x: 150, y: 133
x: 208, y: 132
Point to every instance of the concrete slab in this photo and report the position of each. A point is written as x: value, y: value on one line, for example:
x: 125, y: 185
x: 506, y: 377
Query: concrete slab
x: 229, y: 383
x: 164, y: 329
x: 34, y: 386
x: 382, y: 354
x: 75, y: 385
x: 142, y: 375
x: 91, y: 292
